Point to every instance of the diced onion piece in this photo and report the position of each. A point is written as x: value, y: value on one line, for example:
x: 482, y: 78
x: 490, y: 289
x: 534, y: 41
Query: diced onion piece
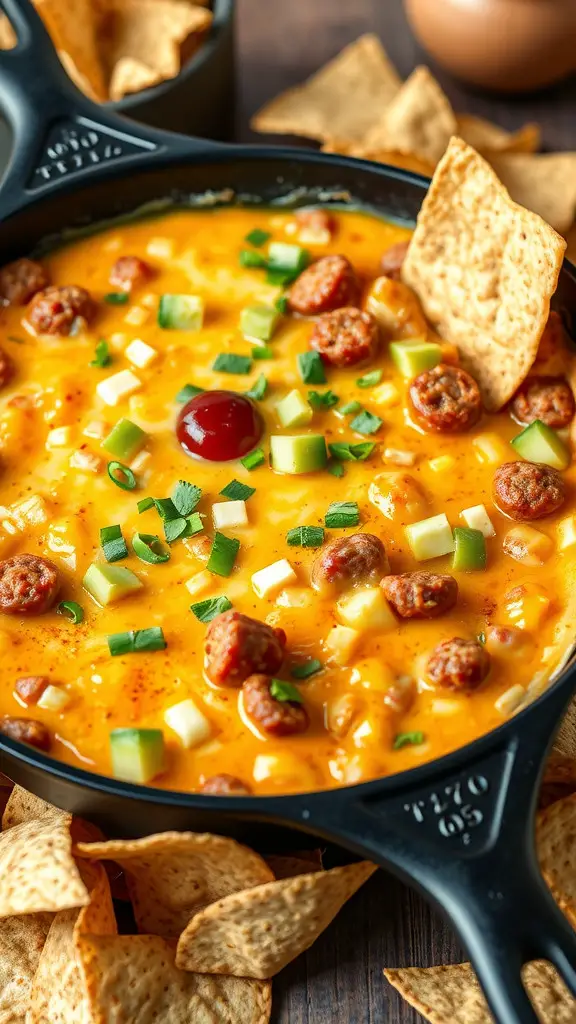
x: 228, y: 514
x: 430, y: 538
x: 566, y: 530
x: 490, y: 449
x: 341, y: 643
x: 140, y: 461
x: 285, y: 770
x: 137, y: 316
x: 54, y: 698
x: 387, y: 394
x: 526, y: 545
x: 365, y: 610
x: 88, y: 462
x: 188, y: 722
x: 118, y: 341
x: 442, y: 464
x: 398, y: 457
x: 149, y: 301
x: 59, y: 437
x: 97, y: 429
x: 527, y: 605
x: 341, y: 712
x: 140, y: 354
x: 32, y: 511
x: 121, y: 385
x: 200, y: 582
x: 445, y: 706
x: 477, y: 518
x: 314, y: 236
x: 510, y: 700
x: 399, y: 697
x: 162, y: 248
x: 295, y: 597
x: 273, y: 577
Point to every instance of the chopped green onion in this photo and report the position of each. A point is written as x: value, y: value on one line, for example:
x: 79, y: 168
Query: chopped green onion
x: 116, y: 298
x: 282, y: 304
x: 229, y: 362
x: 322, y: 399
x: 175, y: 528
x: 311, y: 368
x: 223, y: 554
x: 185, y: 497
x: 72, y: 611
x: 180, y: 312
x: 237, y: 491
x: 125, y: 439
x: 342, y: 514
x: 113, y: 543
x: 346, y: 452
x: 262, y: 352
x: 307, y: 669
x: 369, y: 380
x: 257, y: 237
x: 258, y: 389
x: 259, y: 322
x: 149, y: 548
x: 335, y: 468
x: 482, y: 638
x: 280, y: 690
x: 249, y: 258
x: 102, y: 355
x: 280, y: 277
x: 187, y: 392
x: 207, y: 610
x: 145, y: 504
x: 306, y: 536
x: 137, y: 640
x: 166, y: 508
x: 195, y: 524
x: 122, y: 476
x: 287, y: 257
x: 405, y: 739
x: 253, y: 459
x: 350, y: 408
x: 366, y: 423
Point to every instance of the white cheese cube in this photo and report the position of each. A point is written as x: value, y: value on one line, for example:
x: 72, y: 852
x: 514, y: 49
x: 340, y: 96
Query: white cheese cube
x: 477, y: 518
x: 59, y: 438
x: 366, y: 609
x: 121, y: 385
x: 86, y: 461
x: 54, y: 698
x: 273, y: 577
x: 199, y: 582
x: 341, y: 643
x: 566, y: 530
x: 163, y: 248
x: 227, y: 514
x: 188, y: 723
x: 137, y: 316
x: 286, y: 769
x: 140, y: 354
x: 430, y: 538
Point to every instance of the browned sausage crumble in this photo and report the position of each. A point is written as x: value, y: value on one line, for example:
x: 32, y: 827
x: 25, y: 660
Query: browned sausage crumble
x: 459, y: 664
x: 55, y: 310
x: 528, y: 490
x: 224, y: 785
x: 548, y: 399
x: 128, y: 272
x: 30, y: 688
x: 26, y: 730
x: 274, y: 717
x: 20, y: 280
x: 446, y: 399
x: 326, y: 285
x: 346, y: 337
x: 420, y: 595
x: 237, y: 646
x: 360, y: 558
x: 29, y: 585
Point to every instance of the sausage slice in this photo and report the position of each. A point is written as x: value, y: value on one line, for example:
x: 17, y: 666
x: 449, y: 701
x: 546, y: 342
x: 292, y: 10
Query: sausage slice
x: 237, y: 646
x: 272, y: 716
x: 129, y: 271
x: 31, y: 688
x: 26, y: 730
x: 20, y: 280
x: 29, y: 585
x: 446, y: 399
x: 326, y: 285
x: 528, y: 490
x: 360, y: 558
x: 54, y: 310
x: 548, y: 399
x: 459, y: 664
x: 420, y: 595
x: 346, y: 337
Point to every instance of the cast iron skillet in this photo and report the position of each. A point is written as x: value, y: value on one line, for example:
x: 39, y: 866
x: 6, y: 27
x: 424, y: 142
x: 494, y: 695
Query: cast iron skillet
x: 461, y: 828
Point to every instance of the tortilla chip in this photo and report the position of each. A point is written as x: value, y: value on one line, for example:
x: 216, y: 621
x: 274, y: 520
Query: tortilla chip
x: 342, y: 100
x: 37, y: 870
x: 484, y: 270
x: 490, y: 138
x: 136, y: 975
x: 154, y: 33
x: 8, y: 37
x: 72, y: 26
x: 381, y: 156
x: 556, y: 843
x: 21, y: 943
x: 452, y: 995
x: 290, y: 865
x: 59, y: 992
x: 130, y: 75
x: 419, y: 120
x: 565, y: 742
x: 173, y: 875
x: 24, y: 806
x: 256, y: 933
x: 544, y: 183
x: 559, y: 779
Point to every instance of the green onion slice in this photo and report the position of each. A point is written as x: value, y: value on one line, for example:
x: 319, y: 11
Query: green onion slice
x: 346, y: 452
x: 136, y: 641
x: 237, y: 491
x: 366, y: 423
x: 187, y: 392
x: 282, y: 304
x: 145, y: 504
x: 262, y: 352
x: 311, y: 368
x: 72, y: 611
x: 185, y: 497
x: 229, y: 362
x: 113, y: 543
x: 280, y: 690
x: 405, y: 739
x: 350, y: 408
x: 102, y: 355
x: 259, y: 388
x: 223, y: 554
x: 257, y: 237
x: 306, y: 536
x: 369, y: 380
x: 116, y: 298
x: 307, y: 669
x: 335, y: 468
x: 253, y: 459
x: 205, y: 611
x: 322, y: 399
x: 175, y: 528
x: 149, y: 548
x: 341, y: 514
x: 122, y: 476
x: 249, y: 258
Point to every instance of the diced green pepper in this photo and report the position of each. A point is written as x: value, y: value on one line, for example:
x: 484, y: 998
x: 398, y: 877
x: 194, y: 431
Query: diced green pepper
x: 469, y: 549
x: 137, y: 754
x: 293, y: 410
x: 259, y: 322
x: 539, y: 443
x: 303, y: 453
x: 413, y: 357
x: 181, y: 312
x: 125, y: 440
x: 109, y: 583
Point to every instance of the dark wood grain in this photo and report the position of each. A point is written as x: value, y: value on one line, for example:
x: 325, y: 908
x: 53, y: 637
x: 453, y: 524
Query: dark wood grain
x: 280, y: 42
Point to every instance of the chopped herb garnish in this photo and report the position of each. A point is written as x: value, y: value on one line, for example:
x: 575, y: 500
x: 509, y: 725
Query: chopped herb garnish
x: 342, y: 514
x: 257, y: 237
x: 259, y: 388
x: 205, y: 611
x: 280, y: 690
x: 166, y: 508
x: 149, y: 548
x: 17, y: 341
x: 306, y: 536
x: 229, y: 362
x: 322, y: 399
x: 175, y: 528
x: 311, y: 368
x: 253, y: 459
x: 223, y: 554
x: 145, y: 504
x: 116, y: 298
x: 282, y: 304
x: 369, y: 380
x: 249, y: 258
x: 307, y: 669
x: 137, y: 640
x: 102, y: 355
x: 405, y: 739
x: 366, y: 423
x: 187, y: 392
x: 237, y: 491
x: 280, y: 277
x: 335, y: 468
x: 482, y: 638
x: 71, y: 611
x: 122, y: 476
x: 113, y: 543
x: 346, y: 452
x: 262, y: 352
x: 185, y: 497
x: 195, y: 524
x: 350, y: 408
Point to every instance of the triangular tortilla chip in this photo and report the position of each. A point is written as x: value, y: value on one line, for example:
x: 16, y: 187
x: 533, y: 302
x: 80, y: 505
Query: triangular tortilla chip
x: 556, y: 842
x: 136, y: 975
x: 490, y: 138
x: 255, y: 933
x: 342, y: 100
x: 452, y: 995
x: 59, y: 992
x: 37, y: 870
x: 292, y: 864
x: 72, y: 26
x: 544, y: 183
x: 381, y: 156
x: 21, y: 943
x: 24, y: 806
x: 484, y: 270
x: 152, y: 32
x: 419, y: 120
x: 130, y: 75
x: 173, y: 875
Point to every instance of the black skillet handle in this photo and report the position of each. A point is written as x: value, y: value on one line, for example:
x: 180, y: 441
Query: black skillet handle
x: 59, y: 133
x: 464, y: 835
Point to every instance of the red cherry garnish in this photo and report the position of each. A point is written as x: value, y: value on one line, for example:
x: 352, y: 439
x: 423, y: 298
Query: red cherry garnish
x: 219, y: 426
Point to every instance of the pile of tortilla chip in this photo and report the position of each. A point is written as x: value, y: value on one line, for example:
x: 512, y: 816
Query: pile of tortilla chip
x: 359, y: 106
x: 112, y: 48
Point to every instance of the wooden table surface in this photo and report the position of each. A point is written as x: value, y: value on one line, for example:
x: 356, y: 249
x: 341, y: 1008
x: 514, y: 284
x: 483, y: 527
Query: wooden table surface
x: 281, y: 42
